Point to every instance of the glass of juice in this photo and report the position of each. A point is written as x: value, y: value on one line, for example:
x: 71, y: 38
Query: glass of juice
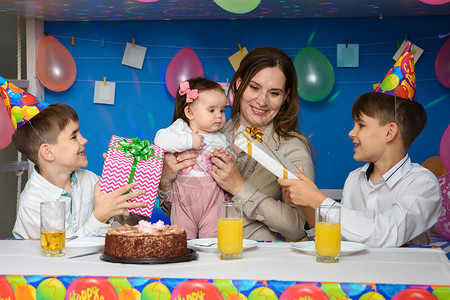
x: 229, y: 230
x: 328, y: 233
x: 53, y: 234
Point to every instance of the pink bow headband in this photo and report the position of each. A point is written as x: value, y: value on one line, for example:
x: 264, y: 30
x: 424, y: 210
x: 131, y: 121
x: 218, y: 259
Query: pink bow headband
x: 191, y: 95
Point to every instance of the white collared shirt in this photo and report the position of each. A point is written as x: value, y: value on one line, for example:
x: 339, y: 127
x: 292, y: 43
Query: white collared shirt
x: 80, y: 219
x: 401, y: 207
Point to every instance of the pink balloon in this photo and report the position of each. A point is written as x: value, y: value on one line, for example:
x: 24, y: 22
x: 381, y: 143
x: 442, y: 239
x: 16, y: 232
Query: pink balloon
x: 183, y: 66
x: 444, y: 148
x: 6, y: 127
x: 442, y: 65
x: 55, y: 66
x: 443, y: 227
x: 435, y: 2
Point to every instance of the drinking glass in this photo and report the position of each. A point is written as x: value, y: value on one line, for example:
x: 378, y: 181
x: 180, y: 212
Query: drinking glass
x: 328, y: 233
x: 229, y: 230
x: 53, y: 234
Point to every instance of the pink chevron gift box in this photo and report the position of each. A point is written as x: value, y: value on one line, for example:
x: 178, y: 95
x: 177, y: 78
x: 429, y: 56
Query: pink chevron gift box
x: 133, y: 160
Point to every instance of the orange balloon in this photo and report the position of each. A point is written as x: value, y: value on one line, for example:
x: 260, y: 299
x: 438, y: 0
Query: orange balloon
x: 55, y: 66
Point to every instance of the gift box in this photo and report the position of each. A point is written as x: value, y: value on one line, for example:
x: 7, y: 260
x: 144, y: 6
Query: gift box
x: 251, y: 142
x: 133, y: 160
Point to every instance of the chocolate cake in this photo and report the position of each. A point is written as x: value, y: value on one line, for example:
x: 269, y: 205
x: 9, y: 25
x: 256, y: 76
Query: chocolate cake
x: 146, y: 240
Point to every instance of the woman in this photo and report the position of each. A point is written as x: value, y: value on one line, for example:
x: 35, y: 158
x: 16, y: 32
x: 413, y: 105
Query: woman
x: 265, y: 96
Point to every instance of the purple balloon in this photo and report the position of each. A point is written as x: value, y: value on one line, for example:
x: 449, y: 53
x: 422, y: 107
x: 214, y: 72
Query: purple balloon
x: 183, y: 66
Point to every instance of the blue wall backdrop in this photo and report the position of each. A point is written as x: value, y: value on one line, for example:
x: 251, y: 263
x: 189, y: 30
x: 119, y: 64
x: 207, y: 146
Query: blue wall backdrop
x: 143, y: 105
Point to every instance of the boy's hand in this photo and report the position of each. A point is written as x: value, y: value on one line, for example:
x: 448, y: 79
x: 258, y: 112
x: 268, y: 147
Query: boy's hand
x: 115, y: 203
x: 301, y: 192
x: 197, y: 141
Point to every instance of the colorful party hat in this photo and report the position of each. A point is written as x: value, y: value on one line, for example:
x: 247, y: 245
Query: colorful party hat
x: 401, y: 79
x: 20, y: 105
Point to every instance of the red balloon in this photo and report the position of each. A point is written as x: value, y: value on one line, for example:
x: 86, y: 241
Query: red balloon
x: 304, y: 291
x: 196, y: 289
x: 6, y: 290
x: 183, y: 66
x: 29, y: 99
x: 442, y: 65
x: 401, y: 91
x: 55, y: 66
x: 91, y: 288
x: 414, y: 294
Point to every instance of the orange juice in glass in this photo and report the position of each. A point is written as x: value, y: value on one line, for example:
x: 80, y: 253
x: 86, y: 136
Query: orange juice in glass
x: 229, y: 230
x: 328, y: 233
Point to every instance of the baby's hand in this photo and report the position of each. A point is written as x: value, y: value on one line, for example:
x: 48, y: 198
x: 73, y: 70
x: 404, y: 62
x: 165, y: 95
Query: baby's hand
x: 197, y: 141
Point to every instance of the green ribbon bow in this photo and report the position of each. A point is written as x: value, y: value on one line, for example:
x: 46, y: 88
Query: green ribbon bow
x: 140, y: 150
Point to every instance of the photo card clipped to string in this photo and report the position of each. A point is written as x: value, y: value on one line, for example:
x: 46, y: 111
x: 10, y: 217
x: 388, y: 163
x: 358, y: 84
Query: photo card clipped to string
x: 134, y: 56
x: 347, y: 56
x: 104, y: 92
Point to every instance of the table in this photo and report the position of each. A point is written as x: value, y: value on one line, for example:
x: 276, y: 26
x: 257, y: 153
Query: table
x: 267, y: 262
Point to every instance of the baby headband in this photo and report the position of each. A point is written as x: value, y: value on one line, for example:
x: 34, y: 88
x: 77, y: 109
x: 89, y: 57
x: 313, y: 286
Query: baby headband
x: 191, y: 95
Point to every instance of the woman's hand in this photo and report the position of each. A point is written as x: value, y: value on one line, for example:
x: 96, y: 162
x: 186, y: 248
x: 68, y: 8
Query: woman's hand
x: 225, y: 171
x: 172, y: 165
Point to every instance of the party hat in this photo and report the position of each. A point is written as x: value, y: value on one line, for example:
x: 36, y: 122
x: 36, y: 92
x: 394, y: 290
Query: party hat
x: 21, y: 106
x: 401, y: 79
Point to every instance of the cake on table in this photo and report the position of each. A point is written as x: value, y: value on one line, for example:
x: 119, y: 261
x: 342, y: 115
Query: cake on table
x: 146, y: 240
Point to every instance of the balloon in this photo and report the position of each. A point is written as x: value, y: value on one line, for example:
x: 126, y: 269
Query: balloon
x: 444, y: 148
x: 304, y: 291
x: 238, y: 6
x: 315, y: 74
x: 183, y: 66
x: 390, y: 82
x: 196, y: 289
x: 414, y: 294
x: 442, y: 65
x: 55, y: 66
x: 443, y: 227
x: 435, y: 2
x: 6, y: 127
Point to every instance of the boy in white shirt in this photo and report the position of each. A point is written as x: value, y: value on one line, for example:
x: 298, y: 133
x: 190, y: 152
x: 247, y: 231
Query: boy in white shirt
x: 52, y: 140
x: 389, y: 201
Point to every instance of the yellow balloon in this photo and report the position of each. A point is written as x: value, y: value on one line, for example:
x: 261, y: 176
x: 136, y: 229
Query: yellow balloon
x: 29, y: 111
x: 14, y: 122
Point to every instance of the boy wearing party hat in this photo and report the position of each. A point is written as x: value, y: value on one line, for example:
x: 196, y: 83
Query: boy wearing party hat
x: 389, y: 201
x: 52, y: 140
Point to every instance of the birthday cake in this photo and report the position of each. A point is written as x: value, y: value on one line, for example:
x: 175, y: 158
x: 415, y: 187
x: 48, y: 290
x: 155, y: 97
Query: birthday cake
x: 146, y: 240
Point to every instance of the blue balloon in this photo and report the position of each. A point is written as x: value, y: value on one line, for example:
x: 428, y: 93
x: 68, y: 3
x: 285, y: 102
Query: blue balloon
x: 315, y: 74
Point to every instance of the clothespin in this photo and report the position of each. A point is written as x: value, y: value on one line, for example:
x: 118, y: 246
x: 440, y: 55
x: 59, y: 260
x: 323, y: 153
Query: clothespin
x: 133, y: 42
x: 104, y: 81
x: 240, y: 48
x: 73, y: 40
x: 346, y: 43
x: 103, y: 42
